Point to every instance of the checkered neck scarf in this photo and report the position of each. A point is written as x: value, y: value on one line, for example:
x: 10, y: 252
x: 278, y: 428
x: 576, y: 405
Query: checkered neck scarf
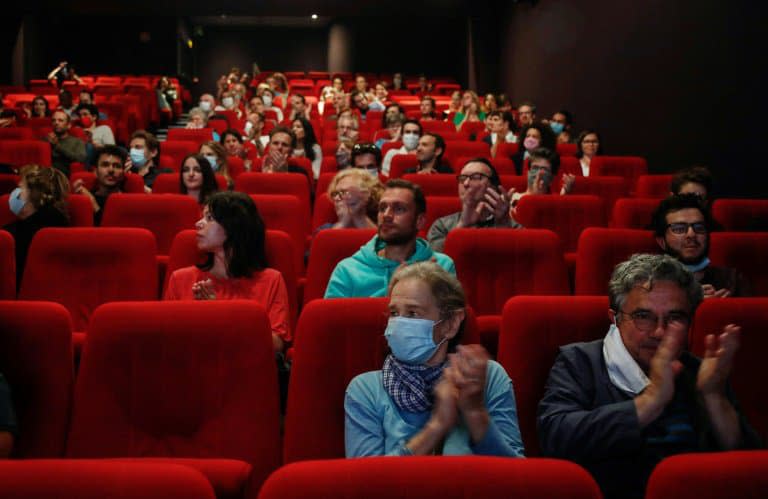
x: 409, y: 385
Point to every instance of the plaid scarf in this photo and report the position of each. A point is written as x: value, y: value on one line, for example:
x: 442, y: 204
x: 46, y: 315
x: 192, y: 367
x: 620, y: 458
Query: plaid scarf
x: 409, y: 385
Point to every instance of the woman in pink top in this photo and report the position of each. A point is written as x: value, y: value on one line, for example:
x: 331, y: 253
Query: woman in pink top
x: 233, y: 234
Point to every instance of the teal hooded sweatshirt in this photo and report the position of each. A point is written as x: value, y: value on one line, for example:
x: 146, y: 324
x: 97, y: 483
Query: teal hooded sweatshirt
x: 366, y: 274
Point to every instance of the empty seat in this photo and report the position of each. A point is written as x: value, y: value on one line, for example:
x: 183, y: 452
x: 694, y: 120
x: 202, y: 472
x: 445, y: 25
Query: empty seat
x: 324, y: 211
x: 198, y: 136
x: 279, y: 212
x: 532, y: 330
x: 191, y: 382
x: 80, y: 210
x: 609, y: 189
x: 653, y: 186
x: 752, y: 315
x: 402, y: 162
x: 437, y: 207
x: 174, y: 151
x: 24, y: 152
x: 279, y: 183
x: 465, y: 148
x: 425, y: 477
x: 710, y: 476
x: 600, y: 250
x: 36, y: 360
x: 633, y: 213
x: 517, y: 182
x: 496, y: 264
x: 741, y: 214
x: 329, y: 247
x: 7, y: 266
x: 628, y: 167
x: 16, y: 133
x: 744, y: 251
x: 566, y: 149
x: 82, y: 268
x: 96, y: 479
x: 567, y: 215
x: 434, y: 185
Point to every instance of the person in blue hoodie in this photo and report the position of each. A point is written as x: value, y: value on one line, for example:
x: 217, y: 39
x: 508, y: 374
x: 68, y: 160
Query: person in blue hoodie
x: 402, y: 210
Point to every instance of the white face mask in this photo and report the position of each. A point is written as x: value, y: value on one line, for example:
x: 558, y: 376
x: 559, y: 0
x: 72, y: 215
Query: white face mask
x: 410, y: 141
x: 205, y: 105
x: 248, y: 127
x: 228, y: 102
x: 267, y: 100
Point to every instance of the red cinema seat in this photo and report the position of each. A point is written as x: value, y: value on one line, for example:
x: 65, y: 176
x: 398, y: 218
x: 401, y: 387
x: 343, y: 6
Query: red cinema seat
x: 323, y: 182
x: 741, y: 214
x: 447, y: 477
x: 293, y: 184
x: 279, y: 249
x: 567, y: 215
x: 601, y: 249
x: 174, y: 152
x: 82, y: 267
x: 24, y: 152
x: 710, y: 476
x: 219, y: 126
x: 751, y: 314
x: 16, y: 133
x: 435, y: 185
x: 80, y: 210
x: 8, y: 182
x: 517, y: 182
x: 400, y: 163
x: 36, y: 360
x: 496, y: 264
x: 162, y: 214
x: 437, y: 207
x: 744, y: 251
x: 329, y: 247
x: 472, y: 128
x: 566, y: 149
x: 633, y: 213
x: 653, y: 186
x: 279, y: 212
x: 507, y: 149
x: 7, y: 266
x: 438, y: 127
x: 324, y: 211
x: 465, y: 148
x: 168, y: 183
x: 628, y: 167
x: 609, y: 189
x: 184, y: 382
x: 96, y: 479
x: 133, y: 184
x: 532, y: 330
x: 503, y: 166
x: 197, y: 136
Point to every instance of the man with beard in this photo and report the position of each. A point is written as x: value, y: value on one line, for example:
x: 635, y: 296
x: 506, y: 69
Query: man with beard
x: 682, y: 225
x: 110, y: 177
x: 402, y: 209
x: 65, y: 149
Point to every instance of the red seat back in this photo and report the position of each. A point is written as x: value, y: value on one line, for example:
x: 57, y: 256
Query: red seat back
x: 7, y: 266
x: 744, y: 251
x: 609, y: 189
x: 8, y: 182
x: 279, y: 212
x: 400, y: 163
x: 168, y: 183
x: 629, y: 167
x: 81, y: 268
x: 174, y: 151
x: 293, y: 184
x: 633, y: 213
x: 16, y: 133
x: 565, y: 215
x: 437, y: 207
x: 533, y: 328
x: 465, y: 148
x: 653, y: 186
x: 741, y: 214
x: 566, y: 149
x: 434, y: 185
x: 24, y: 152
x: 198, y: 135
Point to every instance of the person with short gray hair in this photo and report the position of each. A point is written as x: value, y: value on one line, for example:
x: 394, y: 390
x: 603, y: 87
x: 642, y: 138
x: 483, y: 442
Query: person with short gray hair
x: 619, y: 405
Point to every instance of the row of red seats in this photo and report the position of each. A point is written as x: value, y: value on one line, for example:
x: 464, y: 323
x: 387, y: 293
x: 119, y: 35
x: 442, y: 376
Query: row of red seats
x: 194, y: 383
x: 685, y: 476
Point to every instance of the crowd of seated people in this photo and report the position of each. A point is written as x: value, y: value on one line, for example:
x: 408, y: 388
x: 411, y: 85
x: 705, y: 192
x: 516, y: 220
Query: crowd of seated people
x: 615, y: 396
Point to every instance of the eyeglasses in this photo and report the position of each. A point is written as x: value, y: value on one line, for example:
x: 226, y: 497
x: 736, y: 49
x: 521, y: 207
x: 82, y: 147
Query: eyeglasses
x: 646, y: 321
x: 475, y: 177
x: 364, y: 148
x: 681, y: 228
x: 342, y: 193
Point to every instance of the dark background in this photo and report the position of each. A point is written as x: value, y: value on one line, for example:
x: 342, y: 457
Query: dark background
x: 679, y: 82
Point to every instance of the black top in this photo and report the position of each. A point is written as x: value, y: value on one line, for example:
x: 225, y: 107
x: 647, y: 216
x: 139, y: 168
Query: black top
x: 23, y: 230
x: 7, y: 416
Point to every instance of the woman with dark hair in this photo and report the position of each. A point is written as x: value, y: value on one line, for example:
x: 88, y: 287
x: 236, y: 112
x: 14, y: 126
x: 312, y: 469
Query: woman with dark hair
x: 532, y: 137
x: 39, y: 201
x: 233, y: 235
x: 39, y: 109
x: 587, y: 147
x: 232, y: 141
x: 196, y: 178
x: 306, y: 144
x: 426, y: 400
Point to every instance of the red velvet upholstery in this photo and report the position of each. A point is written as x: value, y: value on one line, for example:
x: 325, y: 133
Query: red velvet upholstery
x: 653, y: 186
x: 495, y: 264
x: 609, y: 189
x: 532, y: 330
x: 628, y: 167
x: 439, y: 206
x: 600, y: 250
x: 507, y: 149
x: 180, y: 379
x: 168, y: 183
x: 566, y: 149
x: 16, y: 133
x: 176, y: 150
x: 80, y: 210
x: 565, y: 215
x: 23, y: 152
x: 438, y: 127
x: 36, y: 360
x: 280, y: 212
x: 435, y: 185
x: 710, y: 476
x: 97, y: 479
x: 81, y: 268
x: 458, y: 148
x: 279, y: 183
x: 741, y: 214
x: 279, y: 248
x: 400, y: 163
x: 446, y: 477
x: 749, y: 365
x: 7, y: 266
x: 518, y: 182
x: 198, y: 136
x: 329, y: 247
x: 324, y: 211
x: 745, y: 251
x: 164, y: 215
x: 633, y: 213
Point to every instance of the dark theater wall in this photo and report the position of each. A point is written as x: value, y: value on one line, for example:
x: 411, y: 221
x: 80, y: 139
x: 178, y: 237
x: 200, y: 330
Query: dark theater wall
x: 675, y: 81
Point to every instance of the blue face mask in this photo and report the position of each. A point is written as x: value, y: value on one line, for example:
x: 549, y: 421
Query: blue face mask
x: 212, y: 160
x: 137, y: 157
x: 411, y: 340
x: 15, y: 203
x: 556, y: 127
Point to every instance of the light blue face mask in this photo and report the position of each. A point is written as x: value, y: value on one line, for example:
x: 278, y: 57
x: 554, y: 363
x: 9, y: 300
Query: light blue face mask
x: 137, y: 157
x: 212, y: 160
x: 556, y: 127
x: 410, y: 339
x: 15, y: 203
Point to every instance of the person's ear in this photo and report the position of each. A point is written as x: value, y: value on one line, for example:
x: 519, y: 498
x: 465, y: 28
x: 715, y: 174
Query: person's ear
x: 421, y: 219
x: 613, y: 316
x: 662, y: 243
x: 454, y: 323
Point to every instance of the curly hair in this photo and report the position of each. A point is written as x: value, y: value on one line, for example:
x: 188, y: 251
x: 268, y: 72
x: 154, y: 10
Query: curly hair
x: 46, y: 187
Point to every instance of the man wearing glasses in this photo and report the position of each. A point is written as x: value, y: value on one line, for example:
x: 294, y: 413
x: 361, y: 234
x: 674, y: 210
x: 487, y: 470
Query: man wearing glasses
x: 484, y: 204
x: 682, y: 225
x: 619, y: 405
